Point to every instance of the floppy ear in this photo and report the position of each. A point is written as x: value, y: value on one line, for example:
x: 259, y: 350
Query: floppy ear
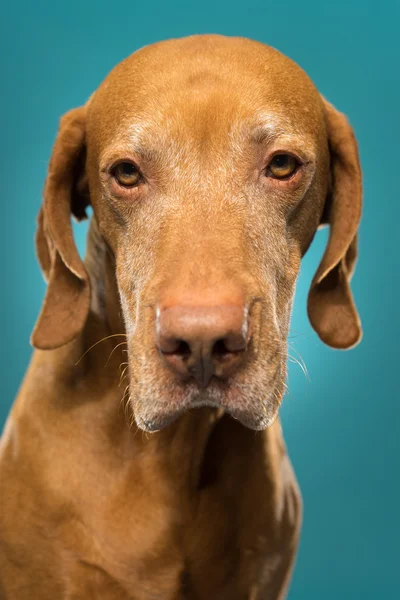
x: 67, y: 300
x: 331, y: 308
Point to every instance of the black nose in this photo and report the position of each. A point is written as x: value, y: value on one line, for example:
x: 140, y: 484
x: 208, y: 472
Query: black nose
x: 201, y: 342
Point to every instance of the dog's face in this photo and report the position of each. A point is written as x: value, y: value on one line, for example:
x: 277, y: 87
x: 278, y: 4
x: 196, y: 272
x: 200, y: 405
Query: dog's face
x: 209, y: 162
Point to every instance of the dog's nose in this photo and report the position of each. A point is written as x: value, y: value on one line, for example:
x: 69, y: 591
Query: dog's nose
x: 201, y: 342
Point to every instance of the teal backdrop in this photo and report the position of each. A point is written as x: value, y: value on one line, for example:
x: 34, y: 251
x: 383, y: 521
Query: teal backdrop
x: 342, y: 426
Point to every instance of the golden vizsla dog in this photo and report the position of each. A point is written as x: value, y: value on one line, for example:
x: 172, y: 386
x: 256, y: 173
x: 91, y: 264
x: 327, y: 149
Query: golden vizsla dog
x: 209, y: 163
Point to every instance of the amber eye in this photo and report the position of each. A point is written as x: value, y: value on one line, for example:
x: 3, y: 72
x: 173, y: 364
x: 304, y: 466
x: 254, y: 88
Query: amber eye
x: 282, y: 166
x: 126, y: 174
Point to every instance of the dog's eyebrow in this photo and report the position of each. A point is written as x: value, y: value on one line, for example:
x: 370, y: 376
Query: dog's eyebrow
x: 274, y: 129
x: 146, y: 153
x: 267, y: 132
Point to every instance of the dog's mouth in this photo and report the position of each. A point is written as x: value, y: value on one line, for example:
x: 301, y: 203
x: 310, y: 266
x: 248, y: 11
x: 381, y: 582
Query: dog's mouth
x: 255, y: 406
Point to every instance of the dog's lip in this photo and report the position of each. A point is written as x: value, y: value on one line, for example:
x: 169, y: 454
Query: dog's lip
x: 157, y: 424
x: 249, y: 420
x: 163, y: 418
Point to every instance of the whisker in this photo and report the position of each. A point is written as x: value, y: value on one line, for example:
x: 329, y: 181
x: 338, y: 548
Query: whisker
x: 99, y: 342
x: 113, y: 350
x: 125, y: 403
x: 304, y: 367
x: 124, y: 394
x: 300, y: 333
x: 123, y: 375
x: 294, y: 360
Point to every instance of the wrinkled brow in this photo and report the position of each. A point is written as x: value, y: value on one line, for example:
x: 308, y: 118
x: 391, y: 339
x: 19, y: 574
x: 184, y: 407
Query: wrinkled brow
x: 265, y: 133
x: 274, y: 130
x: 148, y: 153
x: 136, y: 148
x: 144, y: 144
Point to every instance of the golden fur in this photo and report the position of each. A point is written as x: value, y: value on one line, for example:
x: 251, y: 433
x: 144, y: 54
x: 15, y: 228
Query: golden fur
x: 204, y: 507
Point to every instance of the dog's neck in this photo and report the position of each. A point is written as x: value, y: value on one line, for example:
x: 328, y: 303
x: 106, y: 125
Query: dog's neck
x: 101, y: 344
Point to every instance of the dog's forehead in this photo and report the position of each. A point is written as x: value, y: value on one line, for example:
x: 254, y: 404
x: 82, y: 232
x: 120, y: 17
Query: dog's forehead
x: 204, y: 84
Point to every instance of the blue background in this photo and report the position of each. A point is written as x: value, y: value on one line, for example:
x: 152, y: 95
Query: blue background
x: 342, y: 427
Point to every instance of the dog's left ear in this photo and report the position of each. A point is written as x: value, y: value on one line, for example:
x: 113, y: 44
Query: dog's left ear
x: 67, y: 300
x: 331, y: 307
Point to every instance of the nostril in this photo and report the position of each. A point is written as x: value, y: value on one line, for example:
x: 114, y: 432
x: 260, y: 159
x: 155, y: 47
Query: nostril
x: 225, y: 348
x: 226, y: 354
x: 176, y: 347
x: 182, y: 349
x: 219, y: 350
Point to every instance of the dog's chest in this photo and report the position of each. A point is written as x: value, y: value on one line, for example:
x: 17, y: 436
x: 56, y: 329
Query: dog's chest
x: 200, y: 563
x: 159, y: 552
x: 135, y: 534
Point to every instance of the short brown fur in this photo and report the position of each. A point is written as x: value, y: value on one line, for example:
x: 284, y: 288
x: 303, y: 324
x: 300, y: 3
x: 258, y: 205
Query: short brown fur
x: 182, y: 504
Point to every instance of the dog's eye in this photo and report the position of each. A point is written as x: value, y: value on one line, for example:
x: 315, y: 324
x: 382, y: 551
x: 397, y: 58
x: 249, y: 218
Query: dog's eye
x: 126, y: 174
x: 282, y: 166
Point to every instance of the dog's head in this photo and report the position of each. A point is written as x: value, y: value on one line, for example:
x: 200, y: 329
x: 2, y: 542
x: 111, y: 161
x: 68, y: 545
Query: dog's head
x: 209, y: 162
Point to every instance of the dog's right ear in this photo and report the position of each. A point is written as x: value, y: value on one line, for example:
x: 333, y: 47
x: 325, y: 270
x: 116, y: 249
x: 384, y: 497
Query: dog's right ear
x: 66, y: 305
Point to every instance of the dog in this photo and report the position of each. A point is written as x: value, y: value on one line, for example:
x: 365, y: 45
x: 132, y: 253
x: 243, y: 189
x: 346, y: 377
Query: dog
x: 209, y: 162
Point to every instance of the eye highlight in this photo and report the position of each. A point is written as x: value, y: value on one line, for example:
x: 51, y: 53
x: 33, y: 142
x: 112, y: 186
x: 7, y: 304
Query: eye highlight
x: 126, y: 174
x: 282, y: 166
